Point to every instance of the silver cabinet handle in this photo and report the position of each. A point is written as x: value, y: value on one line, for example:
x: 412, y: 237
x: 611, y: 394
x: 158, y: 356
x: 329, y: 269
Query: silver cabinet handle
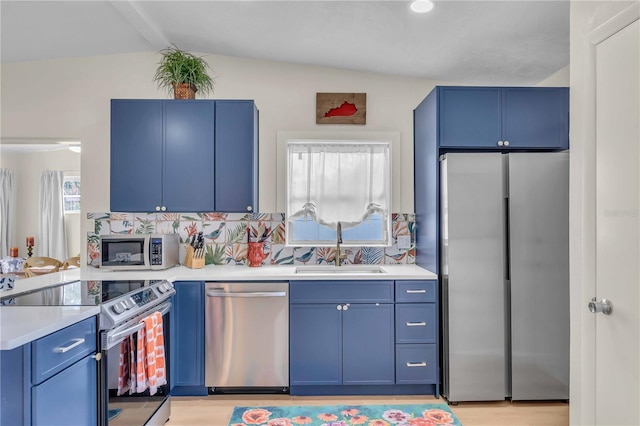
x: 76, y: 342
x: 416, y: 364
x: 249, y: 208
x: 163, y: 208
x: 506, y: 143
x: 248, y: 294
x: 339, y: 307
x: 605, y: 306
x: 157, y: 208
x: 500, y: 143
x: 345, y: 307
x: 416, y: 291
x: 416, y: 324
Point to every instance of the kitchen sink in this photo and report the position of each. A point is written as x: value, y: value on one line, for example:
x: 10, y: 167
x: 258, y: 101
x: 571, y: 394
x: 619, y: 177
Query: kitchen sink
x: 351, y: 269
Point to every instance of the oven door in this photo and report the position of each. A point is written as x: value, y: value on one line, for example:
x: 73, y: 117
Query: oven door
x: 132, y: 409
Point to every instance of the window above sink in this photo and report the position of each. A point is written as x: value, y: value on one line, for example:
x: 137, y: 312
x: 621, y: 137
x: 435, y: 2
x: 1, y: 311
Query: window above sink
x: 338, y: 181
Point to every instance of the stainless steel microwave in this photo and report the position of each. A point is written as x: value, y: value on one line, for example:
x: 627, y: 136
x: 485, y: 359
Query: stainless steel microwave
x: 139, y: 251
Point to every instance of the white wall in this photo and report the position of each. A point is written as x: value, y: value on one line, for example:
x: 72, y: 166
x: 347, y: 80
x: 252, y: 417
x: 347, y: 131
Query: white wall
x: 28, y: 168
x: 558, y: 79
x: 585, y: 16
x: 70, y: 98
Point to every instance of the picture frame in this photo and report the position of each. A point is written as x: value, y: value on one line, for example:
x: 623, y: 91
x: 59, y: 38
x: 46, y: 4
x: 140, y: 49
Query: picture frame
x: 341, y: 108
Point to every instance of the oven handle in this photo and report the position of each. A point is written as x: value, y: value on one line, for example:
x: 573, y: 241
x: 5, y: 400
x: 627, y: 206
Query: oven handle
x: 119, y: 335
x: 124, y: 333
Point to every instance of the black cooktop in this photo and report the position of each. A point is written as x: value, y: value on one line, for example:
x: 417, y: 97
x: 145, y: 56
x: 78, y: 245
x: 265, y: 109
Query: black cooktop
x: 77, y: 293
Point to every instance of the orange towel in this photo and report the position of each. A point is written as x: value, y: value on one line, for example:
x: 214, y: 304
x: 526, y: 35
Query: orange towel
x: 150, y: 368
x: 124, y: 375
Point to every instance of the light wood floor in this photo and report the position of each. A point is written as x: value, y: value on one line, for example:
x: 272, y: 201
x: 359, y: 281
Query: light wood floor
x: 215, y: 410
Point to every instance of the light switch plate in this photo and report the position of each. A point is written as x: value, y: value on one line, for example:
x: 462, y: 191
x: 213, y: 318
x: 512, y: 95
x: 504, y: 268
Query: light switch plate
x: 404, y: 242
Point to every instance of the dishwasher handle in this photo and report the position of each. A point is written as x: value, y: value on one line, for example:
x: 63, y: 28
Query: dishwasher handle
x: 247, y: 294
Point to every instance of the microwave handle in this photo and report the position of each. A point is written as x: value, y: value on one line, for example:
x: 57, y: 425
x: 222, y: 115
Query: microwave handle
x: 147, y: 251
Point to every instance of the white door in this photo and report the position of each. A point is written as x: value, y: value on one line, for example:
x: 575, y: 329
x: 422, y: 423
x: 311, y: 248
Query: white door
x: 617, y: 266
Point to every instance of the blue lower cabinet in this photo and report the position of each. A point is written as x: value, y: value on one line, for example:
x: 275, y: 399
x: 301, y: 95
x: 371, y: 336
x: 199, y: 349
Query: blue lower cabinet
x: 336, y: 344
x: 368, y: 344
x: 52, y: 380
x: 315, y: 339
x: 68, y: 398
x: 187, y: 339
x: 341, y: 347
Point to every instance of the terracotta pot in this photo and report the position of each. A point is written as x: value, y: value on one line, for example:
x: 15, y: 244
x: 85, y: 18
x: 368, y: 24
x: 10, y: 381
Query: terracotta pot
x: 184, y: 91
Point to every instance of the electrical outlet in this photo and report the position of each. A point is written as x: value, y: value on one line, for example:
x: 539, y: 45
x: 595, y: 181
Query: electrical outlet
x: 404, y: 242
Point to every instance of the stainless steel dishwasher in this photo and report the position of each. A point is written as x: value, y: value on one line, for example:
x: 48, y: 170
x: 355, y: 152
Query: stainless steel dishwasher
x: 247, y: 337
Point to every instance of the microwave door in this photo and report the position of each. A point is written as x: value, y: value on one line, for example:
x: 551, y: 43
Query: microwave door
x: 123, y: 253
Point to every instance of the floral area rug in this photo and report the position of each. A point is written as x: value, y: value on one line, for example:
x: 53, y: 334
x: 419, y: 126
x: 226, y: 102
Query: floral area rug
x: 345, y: 415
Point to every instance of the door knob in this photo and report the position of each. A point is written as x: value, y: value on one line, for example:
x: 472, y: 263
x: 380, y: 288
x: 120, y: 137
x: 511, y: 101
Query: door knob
x: 605, y: 306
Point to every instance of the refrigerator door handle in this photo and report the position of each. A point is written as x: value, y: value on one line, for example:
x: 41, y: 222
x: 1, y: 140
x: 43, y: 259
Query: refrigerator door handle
x: 605, y: 306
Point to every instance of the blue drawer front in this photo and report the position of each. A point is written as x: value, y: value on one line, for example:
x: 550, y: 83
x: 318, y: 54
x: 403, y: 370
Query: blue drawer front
x: 416, y: 364
x: 416, y: 323
x: 340, y: 291
x: 416, y: 291
x: 50, y: 354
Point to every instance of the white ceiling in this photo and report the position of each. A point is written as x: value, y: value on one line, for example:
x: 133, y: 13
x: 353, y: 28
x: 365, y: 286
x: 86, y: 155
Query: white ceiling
x: 474, y: 42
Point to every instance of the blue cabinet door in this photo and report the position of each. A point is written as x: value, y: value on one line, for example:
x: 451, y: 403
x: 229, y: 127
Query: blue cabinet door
x: 368, y: 344
x: 469, y: 117
x: 187, y: 335
x: 536, y: 117
x: 188, y: 166
x: 315, y: 341
x: 136, y: 155
x: 236, y: 156
x: 503, y: 117
x: 68, y: 398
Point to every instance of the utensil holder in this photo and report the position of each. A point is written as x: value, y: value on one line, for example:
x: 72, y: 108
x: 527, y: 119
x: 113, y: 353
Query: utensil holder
x: 191, y: 261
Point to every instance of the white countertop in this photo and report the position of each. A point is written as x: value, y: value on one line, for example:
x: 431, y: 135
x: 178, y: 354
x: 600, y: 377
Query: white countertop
x: 22, y: 324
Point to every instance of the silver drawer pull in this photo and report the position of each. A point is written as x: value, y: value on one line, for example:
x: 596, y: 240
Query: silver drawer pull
x: 416, y: 324
x: 416, y: 364
x: 416, y: 291
x: 76, y: 342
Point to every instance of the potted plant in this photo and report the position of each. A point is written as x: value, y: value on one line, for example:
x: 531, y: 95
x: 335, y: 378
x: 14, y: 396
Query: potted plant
x: 183, y: 73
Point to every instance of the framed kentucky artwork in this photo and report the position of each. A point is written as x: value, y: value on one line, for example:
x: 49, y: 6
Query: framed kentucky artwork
x: 341, y: 108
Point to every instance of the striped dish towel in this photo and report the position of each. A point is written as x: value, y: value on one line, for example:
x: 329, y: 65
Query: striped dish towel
x: 151, y: 369
x: 124, y: 372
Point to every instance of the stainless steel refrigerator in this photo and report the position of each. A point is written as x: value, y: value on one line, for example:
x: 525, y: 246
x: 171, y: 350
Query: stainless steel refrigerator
x: 505, y: 275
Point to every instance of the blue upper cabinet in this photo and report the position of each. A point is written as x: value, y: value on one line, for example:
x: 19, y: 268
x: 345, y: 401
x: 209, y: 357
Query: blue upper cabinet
x: 164, y: 155
x: 236, y: 156
x: 136, y: 155
x: 188, y: 165
x: 503, y: 117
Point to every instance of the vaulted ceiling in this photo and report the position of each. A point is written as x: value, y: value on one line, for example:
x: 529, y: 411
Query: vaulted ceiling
x: 475, y: 42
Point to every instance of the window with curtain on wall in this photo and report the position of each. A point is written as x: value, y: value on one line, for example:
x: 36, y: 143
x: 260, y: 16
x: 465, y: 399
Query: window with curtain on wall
x: 331, y: 182
x: 71, y: 194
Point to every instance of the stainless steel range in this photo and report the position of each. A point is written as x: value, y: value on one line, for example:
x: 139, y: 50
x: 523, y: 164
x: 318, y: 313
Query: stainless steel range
x: 123, y: 304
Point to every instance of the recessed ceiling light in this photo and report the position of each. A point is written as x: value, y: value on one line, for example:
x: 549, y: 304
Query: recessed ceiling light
x: 421, y: 6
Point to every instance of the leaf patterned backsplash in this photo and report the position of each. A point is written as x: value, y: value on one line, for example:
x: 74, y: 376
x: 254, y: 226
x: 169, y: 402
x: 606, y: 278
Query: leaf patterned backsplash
x: 226, y: 237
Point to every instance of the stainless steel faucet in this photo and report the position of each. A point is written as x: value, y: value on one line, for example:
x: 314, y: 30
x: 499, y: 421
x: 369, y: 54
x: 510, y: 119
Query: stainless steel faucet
x: 339, y: 256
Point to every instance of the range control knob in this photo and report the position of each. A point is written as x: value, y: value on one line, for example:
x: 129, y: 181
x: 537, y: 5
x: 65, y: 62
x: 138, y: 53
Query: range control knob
x: 129, y: 303
x: 119, y: 307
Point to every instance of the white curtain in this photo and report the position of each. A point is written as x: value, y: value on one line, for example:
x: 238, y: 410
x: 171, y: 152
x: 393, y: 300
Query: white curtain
x: 338, y: 181
x: 52, y: 240
x: 7, y: 203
